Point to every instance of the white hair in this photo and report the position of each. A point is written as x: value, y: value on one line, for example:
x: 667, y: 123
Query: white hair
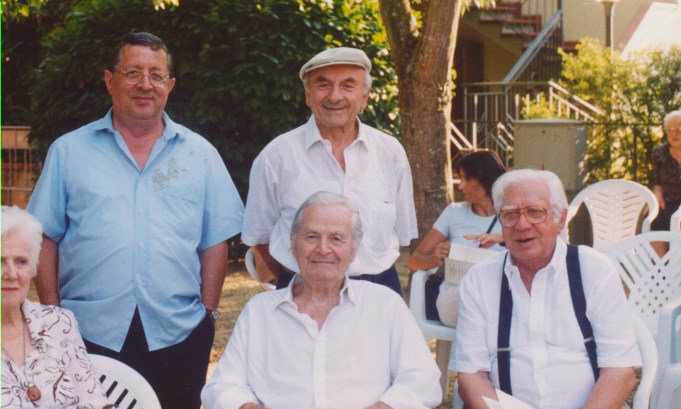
x: 323, y: 198
x: 17, y: 219
x: 674, y: 115
x: 526, y: 177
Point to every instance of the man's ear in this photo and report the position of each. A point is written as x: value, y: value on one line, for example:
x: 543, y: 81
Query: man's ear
x: 561, y: 221
x: 108, y: 77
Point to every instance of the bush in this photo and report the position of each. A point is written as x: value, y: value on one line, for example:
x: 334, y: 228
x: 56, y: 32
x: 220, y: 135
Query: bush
x: 236, y: 64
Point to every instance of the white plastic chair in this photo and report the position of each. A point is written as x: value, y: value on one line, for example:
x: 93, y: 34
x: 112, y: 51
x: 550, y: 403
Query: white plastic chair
x: 652, y: 281
x: 124, y: 387
x: 675, y: 224
x: 249, y: 260
x: 650, y: 361
x: 667, y: 392
x: 614, y: 207
x: 431, y: 329
x: 649, y: 358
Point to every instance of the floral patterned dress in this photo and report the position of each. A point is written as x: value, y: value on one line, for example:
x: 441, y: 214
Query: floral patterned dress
x: 58, y: 364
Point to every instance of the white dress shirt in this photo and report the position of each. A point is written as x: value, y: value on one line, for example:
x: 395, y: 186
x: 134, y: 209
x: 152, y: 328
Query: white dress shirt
x: 549, y: 364
x: 377, y: 179
x: 368, y: 349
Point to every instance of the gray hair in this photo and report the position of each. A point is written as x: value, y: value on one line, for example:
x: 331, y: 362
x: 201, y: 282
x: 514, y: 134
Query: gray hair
x: 143, y: 39
x: 17, y: 219
x: 674, y: 115
x: 329, y: 199
x: 557, y: 197
x: 367, y: 81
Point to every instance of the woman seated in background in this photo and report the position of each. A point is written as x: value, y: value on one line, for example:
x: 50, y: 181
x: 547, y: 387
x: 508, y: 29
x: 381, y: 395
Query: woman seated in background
x: 667, y: 176
x: 471, y: 223
x: 44, y: 362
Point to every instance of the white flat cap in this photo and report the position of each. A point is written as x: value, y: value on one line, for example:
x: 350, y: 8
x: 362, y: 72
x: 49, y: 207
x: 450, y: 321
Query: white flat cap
x: 337, y: 56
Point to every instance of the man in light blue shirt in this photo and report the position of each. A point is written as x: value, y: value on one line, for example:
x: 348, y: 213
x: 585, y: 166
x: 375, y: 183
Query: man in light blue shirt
x: 136, y: 211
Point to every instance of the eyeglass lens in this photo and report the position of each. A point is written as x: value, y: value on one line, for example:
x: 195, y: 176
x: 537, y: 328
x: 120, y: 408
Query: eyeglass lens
x: 533, y: 214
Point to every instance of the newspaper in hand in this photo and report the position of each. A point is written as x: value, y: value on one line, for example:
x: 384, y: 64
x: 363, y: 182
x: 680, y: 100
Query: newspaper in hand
x: 461, y: 259
x: 506, y: 401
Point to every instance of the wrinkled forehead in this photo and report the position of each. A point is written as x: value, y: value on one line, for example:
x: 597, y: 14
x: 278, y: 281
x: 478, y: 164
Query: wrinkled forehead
x: 526, y: 193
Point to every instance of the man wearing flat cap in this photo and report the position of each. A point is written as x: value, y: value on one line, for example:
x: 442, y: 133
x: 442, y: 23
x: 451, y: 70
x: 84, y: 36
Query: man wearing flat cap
x: 334, y: 151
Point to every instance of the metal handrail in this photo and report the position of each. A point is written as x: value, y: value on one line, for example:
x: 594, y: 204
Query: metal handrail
x: 535, y: 47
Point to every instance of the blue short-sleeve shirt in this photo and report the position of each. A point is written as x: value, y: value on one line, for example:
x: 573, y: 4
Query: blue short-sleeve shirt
x: 129, y: 238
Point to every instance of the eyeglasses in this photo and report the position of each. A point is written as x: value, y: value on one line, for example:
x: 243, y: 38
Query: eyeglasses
x: 134, y: 77
x: 673, y: 130
x: 533, y: 214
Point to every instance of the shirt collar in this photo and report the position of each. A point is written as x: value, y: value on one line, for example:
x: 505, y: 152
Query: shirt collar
x: 347, y: 292
x: 313, y: 135
x: 35, y: 328
x: 171, y: 129
x: 556, y: 266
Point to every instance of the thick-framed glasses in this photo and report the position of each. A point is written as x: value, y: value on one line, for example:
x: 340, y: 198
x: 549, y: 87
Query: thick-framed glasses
x: 533, y: 214
x: 134, y: 77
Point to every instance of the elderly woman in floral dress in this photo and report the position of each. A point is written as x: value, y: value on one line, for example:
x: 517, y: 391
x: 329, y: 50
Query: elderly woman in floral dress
x: 44, y: 362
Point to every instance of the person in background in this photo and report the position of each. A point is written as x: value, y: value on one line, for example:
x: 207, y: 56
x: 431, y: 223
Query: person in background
x: 325, y: 341
x: 520, y: 315
x: 667, y: 176
x: 472, y: 223
x: 136, y: 211
x: 334, y: 152
x: 44, y: 361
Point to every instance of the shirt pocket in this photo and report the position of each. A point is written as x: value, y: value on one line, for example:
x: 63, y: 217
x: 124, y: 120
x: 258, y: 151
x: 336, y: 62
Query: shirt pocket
x: 378, y: 224
x: 181, y: 202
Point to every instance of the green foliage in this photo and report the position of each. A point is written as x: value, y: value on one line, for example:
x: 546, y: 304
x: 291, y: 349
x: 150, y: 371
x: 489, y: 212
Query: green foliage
x: 237, y: 65
x: 634, y: 93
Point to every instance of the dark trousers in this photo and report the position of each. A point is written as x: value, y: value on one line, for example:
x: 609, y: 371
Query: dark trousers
x: 177, y: 373
x: 388, y: 278
x: 663, y: 220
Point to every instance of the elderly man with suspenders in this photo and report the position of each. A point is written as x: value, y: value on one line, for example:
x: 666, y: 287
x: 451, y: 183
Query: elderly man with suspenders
x: 546, y: 322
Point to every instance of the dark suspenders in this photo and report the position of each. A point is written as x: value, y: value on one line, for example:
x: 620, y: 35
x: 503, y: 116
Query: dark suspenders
x: 506, y: 310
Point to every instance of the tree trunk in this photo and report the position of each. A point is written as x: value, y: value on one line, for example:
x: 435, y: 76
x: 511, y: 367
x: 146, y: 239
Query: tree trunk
x: 423, y: 61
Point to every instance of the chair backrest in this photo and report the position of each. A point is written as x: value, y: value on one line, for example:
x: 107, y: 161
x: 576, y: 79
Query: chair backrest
x: 431, y: 329
x: 649, y: 358
x: 668, y: 381
x: 652, y: 281
x: 615, y: 207
x: 124, y: 387
x: 249, y: 260
x: 675, y: 224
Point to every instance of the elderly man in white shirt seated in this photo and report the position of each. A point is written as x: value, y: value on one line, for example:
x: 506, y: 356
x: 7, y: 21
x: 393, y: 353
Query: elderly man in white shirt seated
x: 325, y: 341
x: 518, y: 327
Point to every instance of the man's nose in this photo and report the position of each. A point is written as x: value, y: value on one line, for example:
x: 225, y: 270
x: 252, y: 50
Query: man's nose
x: 145, y: 82
x: 523, y: 222
x: 323, y: 246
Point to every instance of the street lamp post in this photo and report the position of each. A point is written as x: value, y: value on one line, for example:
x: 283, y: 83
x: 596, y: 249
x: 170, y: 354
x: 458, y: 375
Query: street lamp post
x: 609, y: 8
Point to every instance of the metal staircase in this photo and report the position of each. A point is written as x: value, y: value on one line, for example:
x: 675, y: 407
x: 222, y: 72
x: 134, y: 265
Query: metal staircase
x: 491, y: 108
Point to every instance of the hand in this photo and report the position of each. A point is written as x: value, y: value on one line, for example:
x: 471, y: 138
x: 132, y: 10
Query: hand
x: 486, y: 240
x: 379, y: 405
x: 442, y: 250
x: 251, y: 405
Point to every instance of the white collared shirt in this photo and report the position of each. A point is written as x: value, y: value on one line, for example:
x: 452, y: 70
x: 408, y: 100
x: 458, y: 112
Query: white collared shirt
x: 549, y: 364
x: 368, y: 349
x: 377, y: 179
